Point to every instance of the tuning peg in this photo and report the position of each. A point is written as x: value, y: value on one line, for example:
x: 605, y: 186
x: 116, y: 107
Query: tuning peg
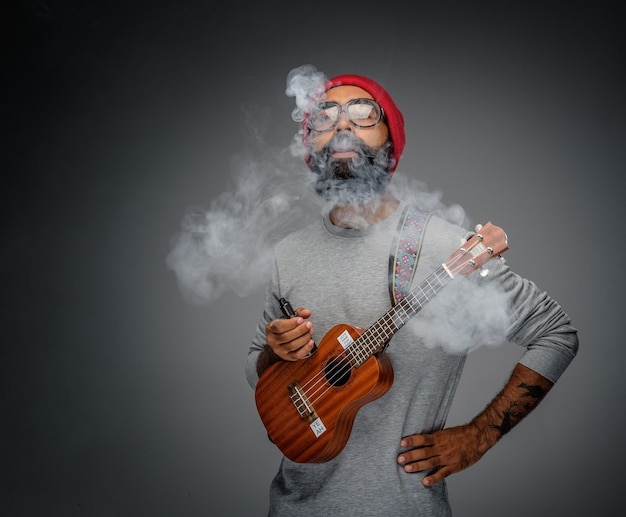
x: 478, y: 227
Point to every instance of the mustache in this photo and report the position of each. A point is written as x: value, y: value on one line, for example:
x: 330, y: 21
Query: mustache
x: 345, y: 142
x: 323, y: 162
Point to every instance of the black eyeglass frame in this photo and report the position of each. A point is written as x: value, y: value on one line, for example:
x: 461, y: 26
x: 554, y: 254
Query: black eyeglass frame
x: 344, y: 109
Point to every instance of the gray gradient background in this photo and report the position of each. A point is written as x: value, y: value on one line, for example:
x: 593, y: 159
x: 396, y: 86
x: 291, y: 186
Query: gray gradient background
x: 119, y: 398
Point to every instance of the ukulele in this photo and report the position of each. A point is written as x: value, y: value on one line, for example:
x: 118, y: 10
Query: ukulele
x: 308, y: 406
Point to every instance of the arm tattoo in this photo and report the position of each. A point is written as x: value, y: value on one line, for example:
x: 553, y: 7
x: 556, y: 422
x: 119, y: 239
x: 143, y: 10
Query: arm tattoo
x: 536, y: 392
x: 518, y: 409
x: 506, y: 424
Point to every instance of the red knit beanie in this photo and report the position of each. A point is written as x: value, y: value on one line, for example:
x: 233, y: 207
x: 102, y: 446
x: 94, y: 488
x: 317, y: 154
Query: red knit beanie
x: 393, y: 116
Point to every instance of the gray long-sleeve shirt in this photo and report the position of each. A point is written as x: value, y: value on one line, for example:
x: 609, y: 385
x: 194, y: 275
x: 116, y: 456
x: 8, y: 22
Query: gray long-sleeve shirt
x: 341, y: 275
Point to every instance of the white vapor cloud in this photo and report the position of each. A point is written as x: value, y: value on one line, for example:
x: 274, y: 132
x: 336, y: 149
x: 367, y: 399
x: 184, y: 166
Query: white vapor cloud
x: 228, y: 247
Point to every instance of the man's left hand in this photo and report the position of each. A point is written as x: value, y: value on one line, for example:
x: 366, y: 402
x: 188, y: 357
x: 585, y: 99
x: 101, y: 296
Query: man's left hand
x: 448, y: 451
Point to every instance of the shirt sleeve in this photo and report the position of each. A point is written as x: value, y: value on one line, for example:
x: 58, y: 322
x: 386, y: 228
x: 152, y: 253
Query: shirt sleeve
x: 271, y: 311
x: 538, y: 323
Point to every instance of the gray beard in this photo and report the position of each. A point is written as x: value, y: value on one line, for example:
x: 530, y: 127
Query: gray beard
x: 355, y: 180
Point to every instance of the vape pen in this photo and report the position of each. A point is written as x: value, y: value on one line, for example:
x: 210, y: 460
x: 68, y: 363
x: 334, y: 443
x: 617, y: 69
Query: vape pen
x: 288, y: 312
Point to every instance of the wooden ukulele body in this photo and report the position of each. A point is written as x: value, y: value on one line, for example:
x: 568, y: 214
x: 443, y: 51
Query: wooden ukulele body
x: 318, y: 431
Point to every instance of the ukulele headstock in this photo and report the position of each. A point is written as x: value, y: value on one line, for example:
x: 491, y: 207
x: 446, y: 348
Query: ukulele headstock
x: 489, y: 241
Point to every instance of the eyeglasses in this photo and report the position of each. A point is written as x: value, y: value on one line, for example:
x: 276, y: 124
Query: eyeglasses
x: 360, y: 112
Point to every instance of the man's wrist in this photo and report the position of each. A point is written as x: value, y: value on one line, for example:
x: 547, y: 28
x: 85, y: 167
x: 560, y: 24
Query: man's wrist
x: 486, y: 432
x: 266, y: 358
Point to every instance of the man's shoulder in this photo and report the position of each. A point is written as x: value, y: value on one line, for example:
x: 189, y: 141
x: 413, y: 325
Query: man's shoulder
x: 444, y: 227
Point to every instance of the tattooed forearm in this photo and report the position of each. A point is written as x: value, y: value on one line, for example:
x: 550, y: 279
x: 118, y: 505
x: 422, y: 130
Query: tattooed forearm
x: 521, y: 394
x: 529, y: 396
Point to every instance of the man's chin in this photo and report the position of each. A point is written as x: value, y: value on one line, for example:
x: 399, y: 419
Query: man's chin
x: 342, y: 169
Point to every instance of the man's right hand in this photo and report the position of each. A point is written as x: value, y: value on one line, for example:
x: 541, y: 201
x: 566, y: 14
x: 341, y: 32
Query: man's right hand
x: 291, y: 339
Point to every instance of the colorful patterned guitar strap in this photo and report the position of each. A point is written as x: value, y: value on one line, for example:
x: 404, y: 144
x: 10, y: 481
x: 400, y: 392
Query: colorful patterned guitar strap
x: 405, y: 251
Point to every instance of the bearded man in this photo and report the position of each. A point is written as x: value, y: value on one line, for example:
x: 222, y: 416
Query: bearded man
x: 399, y: 450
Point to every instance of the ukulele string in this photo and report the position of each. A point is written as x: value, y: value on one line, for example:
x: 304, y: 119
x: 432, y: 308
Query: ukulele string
x: 326, y: 379
x: 345, y: 361
x: 343, y: 367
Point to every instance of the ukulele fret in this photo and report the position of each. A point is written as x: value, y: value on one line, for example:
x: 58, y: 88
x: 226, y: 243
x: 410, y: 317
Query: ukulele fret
x: 380, y: 337
x: 362, y: 350
x: 356, y: 354
x: 408, y: 309
x: 397, y: 320
x: 427, y: 286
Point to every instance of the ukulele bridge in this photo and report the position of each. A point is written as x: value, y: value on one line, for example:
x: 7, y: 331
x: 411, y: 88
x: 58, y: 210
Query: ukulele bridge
x: 301, y: 402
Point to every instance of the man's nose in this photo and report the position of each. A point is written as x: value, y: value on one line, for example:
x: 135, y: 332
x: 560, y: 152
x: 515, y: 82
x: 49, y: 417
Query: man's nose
x: 343, y: 123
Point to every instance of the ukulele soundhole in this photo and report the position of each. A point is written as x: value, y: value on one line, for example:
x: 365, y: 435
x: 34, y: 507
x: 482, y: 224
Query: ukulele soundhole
x: 338, y: 371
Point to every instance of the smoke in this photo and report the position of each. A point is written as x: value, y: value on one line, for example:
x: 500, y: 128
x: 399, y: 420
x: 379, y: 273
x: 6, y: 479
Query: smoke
x: 468, y: 313
x: 304, y: 83
x: 417, y: 192
x: 228, y: 247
